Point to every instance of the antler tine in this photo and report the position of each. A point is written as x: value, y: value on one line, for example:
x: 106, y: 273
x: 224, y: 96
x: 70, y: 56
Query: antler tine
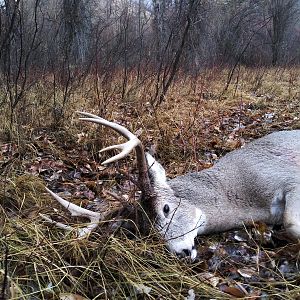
x: 76, y: 211
x: 125, y: 148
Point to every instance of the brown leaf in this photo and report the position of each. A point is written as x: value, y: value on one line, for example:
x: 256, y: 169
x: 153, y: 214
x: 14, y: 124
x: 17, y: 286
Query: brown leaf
x: 232, y: 290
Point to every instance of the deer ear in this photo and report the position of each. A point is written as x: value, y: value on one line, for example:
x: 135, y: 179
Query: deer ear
x: 156, y: 171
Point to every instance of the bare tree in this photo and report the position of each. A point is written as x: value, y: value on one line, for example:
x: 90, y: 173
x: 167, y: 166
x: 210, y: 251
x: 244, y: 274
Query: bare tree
x: 169, y: 57
x: 283, y: 14
x: 18, y: 45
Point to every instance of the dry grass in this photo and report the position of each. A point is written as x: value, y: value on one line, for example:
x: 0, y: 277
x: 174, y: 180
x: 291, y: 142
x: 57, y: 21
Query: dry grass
x: 197, y: 123
x: 43, y: 262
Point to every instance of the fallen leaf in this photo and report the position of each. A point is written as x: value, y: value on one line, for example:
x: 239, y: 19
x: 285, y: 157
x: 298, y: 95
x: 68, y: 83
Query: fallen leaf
x: 210, y: 278
x: 247, y: 272
x: 232, y: 290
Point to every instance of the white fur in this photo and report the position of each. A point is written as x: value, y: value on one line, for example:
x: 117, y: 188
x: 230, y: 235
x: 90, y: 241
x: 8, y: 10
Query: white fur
x: 157, y: 171
x: 193, y: 228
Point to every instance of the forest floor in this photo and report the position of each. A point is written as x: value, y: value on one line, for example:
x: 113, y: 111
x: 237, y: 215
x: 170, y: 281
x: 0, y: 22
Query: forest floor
x: 198, y: 122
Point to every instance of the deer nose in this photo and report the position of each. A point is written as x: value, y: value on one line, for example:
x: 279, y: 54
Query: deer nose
x: 186, y: 252
x: 192, y: 253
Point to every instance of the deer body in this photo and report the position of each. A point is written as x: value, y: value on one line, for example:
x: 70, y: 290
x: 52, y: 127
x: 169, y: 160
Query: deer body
x: 260, y: 182
x: 249, y: 184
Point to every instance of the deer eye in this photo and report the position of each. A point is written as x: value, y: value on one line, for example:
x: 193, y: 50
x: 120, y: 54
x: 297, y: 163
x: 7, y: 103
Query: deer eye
x: 166, y: 209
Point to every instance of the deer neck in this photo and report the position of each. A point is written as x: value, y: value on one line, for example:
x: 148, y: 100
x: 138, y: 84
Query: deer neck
x: 219, y: 198
x: 228, y: 206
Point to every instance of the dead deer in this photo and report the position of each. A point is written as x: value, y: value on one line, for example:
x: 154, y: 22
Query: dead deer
x: 259, y: 182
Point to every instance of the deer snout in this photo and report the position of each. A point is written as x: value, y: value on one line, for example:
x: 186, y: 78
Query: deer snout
x: 192, y: 253
x: 187, y: 252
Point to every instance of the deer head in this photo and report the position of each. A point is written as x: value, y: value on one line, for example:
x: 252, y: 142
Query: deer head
x: 177, y: 220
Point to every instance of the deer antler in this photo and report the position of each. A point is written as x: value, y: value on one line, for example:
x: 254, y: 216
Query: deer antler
x: 76, y: 211
x: 132, y: 143
x: 144, y: 181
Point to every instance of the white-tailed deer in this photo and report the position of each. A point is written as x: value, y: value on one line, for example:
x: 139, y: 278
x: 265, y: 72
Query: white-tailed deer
x: 260, y: 182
